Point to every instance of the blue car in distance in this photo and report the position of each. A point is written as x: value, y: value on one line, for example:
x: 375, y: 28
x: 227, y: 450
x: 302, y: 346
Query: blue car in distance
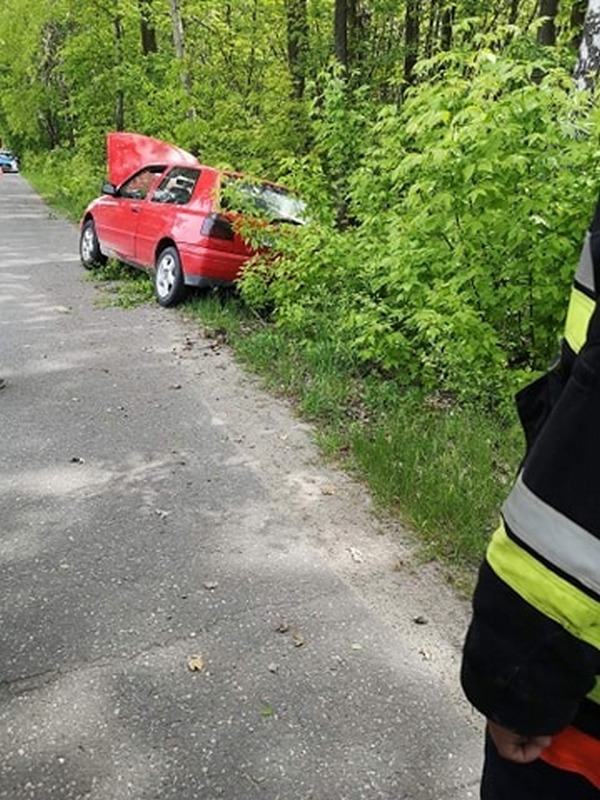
x: 8, y: 161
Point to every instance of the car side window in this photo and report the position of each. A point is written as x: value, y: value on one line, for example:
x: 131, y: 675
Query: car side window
x: 137, y: 188
x: 177, y: 186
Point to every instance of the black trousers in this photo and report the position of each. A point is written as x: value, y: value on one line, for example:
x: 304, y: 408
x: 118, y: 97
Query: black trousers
x: 505, y: 780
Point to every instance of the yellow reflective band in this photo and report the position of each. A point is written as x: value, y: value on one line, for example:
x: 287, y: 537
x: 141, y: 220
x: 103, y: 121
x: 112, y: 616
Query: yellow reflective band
x: 594, y: 695
x: 581, y: 308
x: 550, y: 594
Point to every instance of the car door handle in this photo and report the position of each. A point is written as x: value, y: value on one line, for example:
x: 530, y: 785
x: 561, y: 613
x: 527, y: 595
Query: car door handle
x: 135, y: 210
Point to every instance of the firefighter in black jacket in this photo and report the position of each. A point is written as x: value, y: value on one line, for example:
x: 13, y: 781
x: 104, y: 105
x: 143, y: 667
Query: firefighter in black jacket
x: 531, y: 662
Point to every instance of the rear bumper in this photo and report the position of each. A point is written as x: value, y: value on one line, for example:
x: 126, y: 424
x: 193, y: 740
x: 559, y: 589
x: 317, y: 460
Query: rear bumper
x: 203, y: 266
x: 202, y: 282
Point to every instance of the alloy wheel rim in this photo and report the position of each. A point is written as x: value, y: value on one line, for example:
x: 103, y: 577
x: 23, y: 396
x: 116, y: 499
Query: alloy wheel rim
x: 165, y: 275
x: 87, y: 244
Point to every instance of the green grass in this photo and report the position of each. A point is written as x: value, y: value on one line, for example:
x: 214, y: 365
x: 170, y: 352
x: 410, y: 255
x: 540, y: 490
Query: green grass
x: 65, y: 182
x: 122, y: 286
x: 57, y: 195
x: 446, y: 470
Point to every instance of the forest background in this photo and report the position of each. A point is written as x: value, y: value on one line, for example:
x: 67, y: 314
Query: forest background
x: 449, y: 156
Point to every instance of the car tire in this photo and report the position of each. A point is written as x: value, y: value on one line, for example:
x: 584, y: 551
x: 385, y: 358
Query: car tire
x: 89, y: 247
x: 169, y: 284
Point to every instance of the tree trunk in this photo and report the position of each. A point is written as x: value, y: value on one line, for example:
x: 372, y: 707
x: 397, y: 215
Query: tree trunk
x: 340, y: 32
x: 178, y: 33
x: 546, y: 33
x: 576, y: 22
x: 179, y: 43
x: 432, y: 27
x: 411, y: 38
x: 119, y: 96
x: 50, y: 66
x: 147, y: 30
x: 513, y: 13
x: 446, y: 28
x: 588, y: 65
x: 297, y: 44
x: 48, y: 124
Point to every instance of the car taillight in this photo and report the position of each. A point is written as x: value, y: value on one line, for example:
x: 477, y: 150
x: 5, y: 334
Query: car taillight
x: 217, y: 226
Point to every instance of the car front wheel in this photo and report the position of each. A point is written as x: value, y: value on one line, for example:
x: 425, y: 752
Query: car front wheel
x: 169, y: 284
x: 89, y: 247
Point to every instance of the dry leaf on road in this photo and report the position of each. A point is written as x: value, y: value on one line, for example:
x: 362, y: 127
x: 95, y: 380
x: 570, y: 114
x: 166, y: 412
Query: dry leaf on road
x: 195, y: 663
x: 283, y: 627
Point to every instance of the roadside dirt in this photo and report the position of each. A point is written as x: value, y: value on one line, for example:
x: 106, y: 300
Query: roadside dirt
x: 376, y: 555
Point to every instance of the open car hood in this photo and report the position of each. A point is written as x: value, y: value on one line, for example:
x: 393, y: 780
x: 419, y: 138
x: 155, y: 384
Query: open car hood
x: 127, y: 153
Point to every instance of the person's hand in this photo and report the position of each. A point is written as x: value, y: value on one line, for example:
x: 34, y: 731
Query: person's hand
x: 517, y: 748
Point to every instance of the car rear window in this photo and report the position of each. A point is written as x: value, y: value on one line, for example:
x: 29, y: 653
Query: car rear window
x: 261, y: 200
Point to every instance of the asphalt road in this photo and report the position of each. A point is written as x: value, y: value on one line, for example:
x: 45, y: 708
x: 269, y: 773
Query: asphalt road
x: 155, y: 508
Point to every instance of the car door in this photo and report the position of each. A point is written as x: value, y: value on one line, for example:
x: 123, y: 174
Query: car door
x: 117, y: 223
x: 165, y: 212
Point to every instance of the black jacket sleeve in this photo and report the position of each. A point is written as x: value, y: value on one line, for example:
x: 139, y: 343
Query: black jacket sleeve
x: 520, y: 668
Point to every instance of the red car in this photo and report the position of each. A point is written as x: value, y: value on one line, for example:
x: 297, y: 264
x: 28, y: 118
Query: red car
x: 165, y: 212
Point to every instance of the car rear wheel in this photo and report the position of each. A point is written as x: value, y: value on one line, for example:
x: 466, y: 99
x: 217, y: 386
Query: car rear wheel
x: 169, y: 284
x: 89, y: 247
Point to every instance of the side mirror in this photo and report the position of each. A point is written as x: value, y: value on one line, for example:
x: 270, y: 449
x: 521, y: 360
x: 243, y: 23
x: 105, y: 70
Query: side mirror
x: 109, y: 188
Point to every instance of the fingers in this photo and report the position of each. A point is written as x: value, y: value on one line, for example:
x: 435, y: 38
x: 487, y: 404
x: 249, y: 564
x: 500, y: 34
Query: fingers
x: 515, y: 747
